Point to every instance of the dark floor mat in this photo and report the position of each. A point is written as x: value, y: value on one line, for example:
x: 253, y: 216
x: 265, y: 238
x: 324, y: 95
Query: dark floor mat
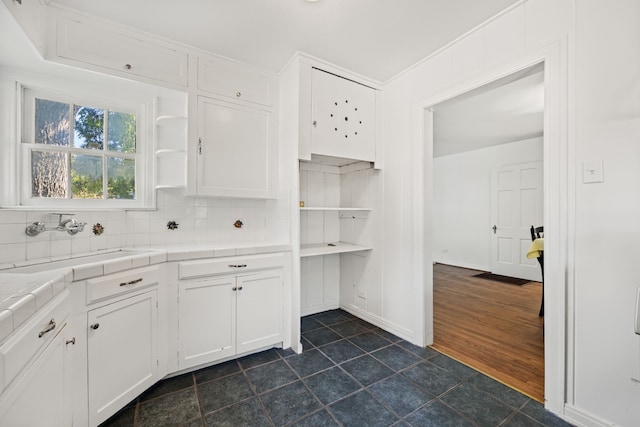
x: 502, y: 279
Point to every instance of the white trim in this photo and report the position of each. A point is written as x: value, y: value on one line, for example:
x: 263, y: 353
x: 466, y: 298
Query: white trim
x: 583, y: 418
x: 556, y: 209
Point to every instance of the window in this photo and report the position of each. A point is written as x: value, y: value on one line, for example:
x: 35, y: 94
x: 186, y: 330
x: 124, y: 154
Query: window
x: 79, y: 153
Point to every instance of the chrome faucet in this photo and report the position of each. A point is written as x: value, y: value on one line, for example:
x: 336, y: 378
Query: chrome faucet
x: 70, y: 225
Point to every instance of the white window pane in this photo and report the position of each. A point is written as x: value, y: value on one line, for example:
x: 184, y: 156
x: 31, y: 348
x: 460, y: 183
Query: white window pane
x: 52, y: 124
x: 122, y: 132
x: 89, y: 127
x: 86, y: 177
x: 48, y: 174
x: 121, y: 178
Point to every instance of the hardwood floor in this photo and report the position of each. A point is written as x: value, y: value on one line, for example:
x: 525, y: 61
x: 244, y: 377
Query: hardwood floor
x: 493, y: 327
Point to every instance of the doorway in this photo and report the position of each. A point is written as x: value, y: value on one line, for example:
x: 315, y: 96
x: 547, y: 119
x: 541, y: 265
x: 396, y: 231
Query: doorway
x: 479, y: 139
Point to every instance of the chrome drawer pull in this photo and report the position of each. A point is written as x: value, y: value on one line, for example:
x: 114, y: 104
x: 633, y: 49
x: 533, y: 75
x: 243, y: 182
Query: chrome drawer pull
x: 132, y: 282
x: 50, y: 327
x: 237, y: 265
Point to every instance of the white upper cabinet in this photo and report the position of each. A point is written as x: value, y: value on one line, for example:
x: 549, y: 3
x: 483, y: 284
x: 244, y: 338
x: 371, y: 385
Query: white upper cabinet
x: 343, y: 117
x: 235, y: 81
x: 234, y: 156
x: 101, y: 47
x: 233, y: 125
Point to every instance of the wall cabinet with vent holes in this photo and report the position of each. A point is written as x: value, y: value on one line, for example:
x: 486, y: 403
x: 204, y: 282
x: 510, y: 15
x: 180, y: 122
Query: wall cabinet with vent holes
x: 343, y: 117
x: 236, y: 308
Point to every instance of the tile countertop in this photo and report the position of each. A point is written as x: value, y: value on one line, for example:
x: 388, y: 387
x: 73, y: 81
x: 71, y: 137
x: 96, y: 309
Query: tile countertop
x: 22, y: 295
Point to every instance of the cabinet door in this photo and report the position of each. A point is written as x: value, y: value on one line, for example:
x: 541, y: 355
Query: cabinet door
x: 207, y: 313
x: 97, y: 44
x: 344, y: 116
x: 122, y: 353
x: 235, y: 152
x: 259, y: 302
x: 236, y: 81
x: 41, y: 397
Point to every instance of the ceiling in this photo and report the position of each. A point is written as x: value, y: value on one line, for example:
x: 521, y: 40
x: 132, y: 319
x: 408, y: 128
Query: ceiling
x: 374, y: 38
x: 507, y: 110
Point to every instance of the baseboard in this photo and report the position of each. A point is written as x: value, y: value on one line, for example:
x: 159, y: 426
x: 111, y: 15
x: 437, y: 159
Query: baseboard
x: 465, y: 265
x: 405, y: 334
x: 582, y: 418
x: 319, y: 308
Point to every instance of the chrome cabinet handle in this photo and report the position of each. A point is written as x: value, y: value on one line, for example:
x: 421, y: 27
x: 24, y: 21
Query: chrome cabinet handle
x: 127, y: 66
x: 239, y: 288
x: 237, y: 265
x: 50, y: 327
x: 238, y: 94
x: 131, y: 282
x: 95, y: 326
x: 71, y: 341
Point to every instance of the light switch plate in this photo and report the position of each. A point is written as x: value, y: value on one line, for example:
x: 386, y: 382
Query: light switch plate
x: 592, y: 171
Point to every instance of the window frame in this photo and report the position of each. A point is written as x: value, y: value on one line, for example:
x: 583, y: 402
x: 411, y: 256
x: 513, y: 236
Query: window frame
x: 27, y: 95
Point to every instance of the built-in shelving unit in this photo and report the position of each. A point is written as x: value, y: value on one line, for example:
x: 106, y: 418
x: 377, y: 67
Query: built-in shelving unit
x: 336, y: 234
x: 171, y: 153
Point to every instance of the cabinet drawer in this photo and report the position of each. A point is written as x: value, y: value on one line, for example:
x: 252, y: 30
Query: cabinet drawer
x: 235, y: 265
x: 16, y: 353
x: 98, y: 44
x: 236, y: 81
x: 116, y: 284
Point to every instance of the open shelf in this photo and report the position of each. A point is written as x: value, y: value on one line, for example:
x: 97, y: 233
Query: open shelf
x: 323, y: 208
x: 169, y: 151
x: 169, y: 120
x: 318, y: 249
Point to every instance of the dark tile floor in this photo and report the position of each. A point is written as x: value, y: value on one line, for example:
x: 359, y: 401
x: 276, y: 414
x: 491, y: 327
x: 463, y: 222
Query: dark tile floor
x: 351, y: 373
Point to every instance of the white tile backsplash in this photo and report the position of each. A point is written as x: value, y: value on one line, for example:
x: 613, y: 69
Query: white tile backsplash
x: 201, y: 221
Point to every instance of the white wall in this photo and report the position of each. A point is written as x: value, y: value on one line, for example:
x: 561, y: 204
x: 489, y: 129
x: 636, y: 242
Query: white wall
x: 596, y: 93
x: 462, y: 201
x: 607, y: 115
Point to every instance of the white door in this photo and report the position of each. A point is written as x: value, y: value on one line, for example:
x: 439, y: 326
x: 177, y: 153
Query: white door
x: 42, y: 396
x: 122, y: 359
x: 207, y: 310
x: 516, y: 206
x: 259, y: 305
x: 234, y: 153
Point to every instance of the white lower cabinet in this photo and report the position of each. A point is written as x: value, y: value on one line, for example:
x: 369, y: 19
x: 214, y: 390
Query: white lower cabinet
x: 41, y: 397
x: 207, y: 317
x: 222, y: 316
x: 122, y: 353
x: 259, y: 310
